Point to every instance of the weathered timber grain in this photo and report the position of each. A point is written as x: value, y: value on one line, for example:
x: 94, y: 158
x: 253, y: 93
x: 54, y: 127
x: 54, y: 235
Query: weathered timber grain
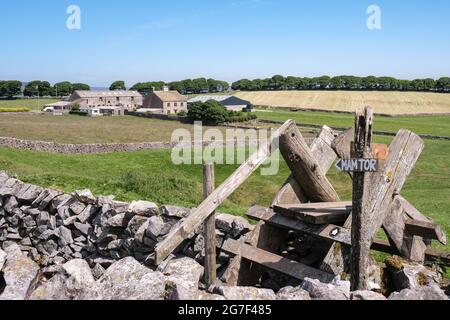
x: 210, y: 228
x: 414, y: 214
x: 321, y: 213
x: 403, y: 155
x: 361, y: 228
x: 291, y: 192
x: 328, y: 232
x: 274, y: 262
x: 305, y: 168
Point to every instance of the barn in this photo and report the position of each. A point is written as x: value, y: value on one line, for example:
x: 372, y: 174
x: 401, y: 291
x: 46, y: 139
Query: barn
x: 232, y: 103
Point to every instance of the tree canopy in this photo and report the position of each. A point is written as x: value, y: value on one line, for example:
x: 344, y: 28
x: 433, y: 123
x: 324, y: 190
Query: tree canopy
x: 147, y: 87
x: 187, y: 86
x: 38, y: 88
x: 62, y: 89
x: 10, y: 88
x: 80, y: 86
x: 344, y: 82
x: 212, y: 112
x: 118, y: 85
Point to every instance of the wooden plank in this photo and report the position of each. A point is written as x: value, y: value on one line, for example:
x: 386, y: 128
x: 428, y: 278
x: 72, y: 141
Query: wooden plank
x: 328, y: 232
x: 416, y: 215
x: 210, y: 229
x: 360, y: 231
x: 403, y: 155
x: 231, y: 275
x: 426, y: 230
x: 321, y: 149
x: 315, y: 215
x: 305, y: 168
x: 204, y: 210
x: 274, y: 262
x: 430, y: 254
x: 245, y: 273
x: 406, y: 243
x: 268, y: 216
x: 343, y: 143
x: 290, y: 192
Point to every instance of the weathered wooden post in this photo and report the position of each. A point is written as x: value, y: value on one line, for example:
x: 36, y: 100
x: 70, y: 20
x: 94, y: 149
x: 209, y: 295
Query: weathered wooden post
x: 209, y: 228
x: 361, y: 234
x: 305, y: 168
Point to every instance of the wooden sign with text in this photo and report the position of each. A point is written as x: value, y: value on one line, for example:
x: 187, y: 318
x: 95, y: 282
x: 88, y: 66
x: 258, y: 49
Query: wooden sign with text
x: 357, y: 165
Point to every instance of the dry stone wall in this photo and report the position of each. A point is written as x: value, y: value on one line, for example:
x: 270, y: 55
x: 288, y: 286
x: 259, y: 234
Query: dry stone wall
x: 53, y: 227
x: 53, y: 147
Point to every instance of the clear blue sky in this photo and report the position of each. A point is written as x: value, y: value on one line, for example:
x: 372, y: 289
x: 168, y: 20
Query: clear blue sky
x: 145, y: 40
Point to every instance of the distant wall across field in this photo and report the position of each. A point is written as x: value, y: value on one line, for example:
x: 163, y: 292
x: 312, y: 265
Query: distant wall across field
x: 380, y: 133
x: 52, y: 147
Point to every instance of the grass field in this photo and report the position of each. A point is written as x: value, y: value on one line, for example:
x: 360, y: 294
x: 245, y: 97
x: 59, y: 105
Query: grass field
x: 432, y: 125
x: 151, y: 175
x: 84, y: 130
x: 382, y: 102
x: 33, y: 104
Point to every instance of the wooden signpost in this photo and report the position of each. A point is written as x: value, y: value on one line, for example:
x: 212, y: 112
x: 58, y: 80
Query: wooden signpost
x: 357, y: 165
x: 210, y: 228
x: 361, y: 237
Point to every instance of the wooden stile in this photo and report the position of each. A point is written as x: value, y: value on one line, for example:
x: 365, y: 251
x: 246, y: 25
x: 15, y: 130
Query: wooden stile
x: 188, y: 227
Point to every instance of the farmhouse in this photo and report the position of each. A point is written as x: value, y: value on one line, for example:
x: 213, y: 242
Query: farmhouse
x: 230, y: 102
x: 130, y: 100
x: 165, y: 102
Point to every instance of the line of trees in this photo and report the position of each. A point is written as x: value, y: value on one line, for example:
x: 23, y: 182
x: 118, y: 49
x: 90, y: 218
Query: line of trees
x: 13, y: 88
x: 60, y: 89
x: 279, y: 82
x: 10, y: 88
x: 188, y: 86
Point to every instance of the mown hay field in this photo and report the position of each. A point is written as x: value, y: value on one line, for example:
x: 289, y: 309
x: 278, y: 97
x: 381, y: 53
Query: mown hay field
x: 392, y: 103
x: 85, y: 130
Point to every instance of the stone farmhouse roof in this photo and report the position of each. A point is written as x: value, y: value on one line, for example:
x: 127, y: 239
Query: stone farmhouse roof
x: 102, y: 94
x: 170, y: 96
